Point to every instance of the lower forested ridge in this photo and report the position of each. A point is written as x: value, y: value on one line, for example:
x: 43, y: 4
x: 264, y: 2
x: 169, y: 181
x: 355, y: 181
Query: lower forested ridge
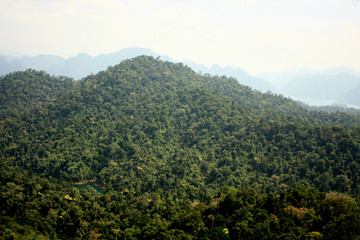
x: 50, y: 210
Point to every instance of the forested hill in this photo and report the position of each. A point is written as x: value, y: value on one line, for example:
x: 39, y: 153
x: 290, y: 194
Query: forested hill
x: 22, y: 91
x: 181, y: 156
x: 146, y: 124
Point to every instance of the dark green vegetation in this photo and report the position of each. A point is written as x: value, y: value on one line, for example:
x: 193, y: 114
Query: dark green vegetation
x: 53, y: 210
x: 162, y: 138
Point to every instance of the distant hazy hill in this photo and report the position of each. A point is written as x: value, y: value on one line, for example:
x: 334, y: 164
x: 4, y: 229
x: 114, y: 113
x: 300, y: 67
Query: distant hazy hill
x: 352, y: 96
x: 76, y: 67
x: 331, y: 85
x: 280, y: 79
x: 322, y: 86
x: 238, y: 73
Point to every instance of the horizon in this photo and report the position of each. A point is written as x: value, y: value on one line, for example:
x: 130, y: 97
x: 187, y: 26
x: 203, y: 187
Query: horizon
x: 256, y: 35
x: 13, y: 55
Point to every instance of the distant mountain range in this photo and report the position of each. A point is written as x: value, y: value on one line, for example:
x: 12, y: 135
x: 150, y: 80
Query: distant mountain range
x: 280, y: 79
x: 76, y: 67
x: 314, y: 87
x: 83, y: 64
x: 322, y: 86
x: 318, y: 87
x: 238, y: 73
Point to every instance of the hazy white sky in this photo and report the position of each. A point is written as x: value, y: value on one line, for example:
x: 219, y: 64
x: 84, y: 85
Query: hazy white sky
x: 256, y: 35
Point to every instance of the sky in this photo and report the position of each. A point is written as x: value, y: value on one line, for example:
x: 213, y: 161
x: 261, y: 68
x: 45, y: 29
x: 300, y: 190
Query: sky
x: 255, y: 35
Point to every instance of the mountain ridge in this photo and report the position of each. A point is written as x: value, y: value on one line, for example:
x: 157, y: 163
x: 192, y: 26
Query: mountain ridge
x: 148, y: 124
x: 83, y: 64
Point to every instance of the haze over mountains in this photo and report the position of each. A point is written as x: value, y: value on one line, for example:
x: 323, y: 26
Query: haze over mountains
x: 83, y: 64
x: 76, y: 67
x: 318, y: 87
x: 314, y: 87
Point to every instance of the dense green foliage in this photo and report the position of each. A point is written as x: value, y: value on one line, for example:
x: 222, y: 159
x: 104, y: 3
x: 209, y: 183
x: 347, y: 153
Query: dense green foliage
x: 22, y: 91
x: 52, y: 210
x: 159, y: 131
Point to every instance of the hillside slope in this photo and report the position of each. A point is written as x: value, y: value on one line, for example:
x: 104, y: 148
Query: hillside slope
x: 22, y: 91
x: 147, y: 124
